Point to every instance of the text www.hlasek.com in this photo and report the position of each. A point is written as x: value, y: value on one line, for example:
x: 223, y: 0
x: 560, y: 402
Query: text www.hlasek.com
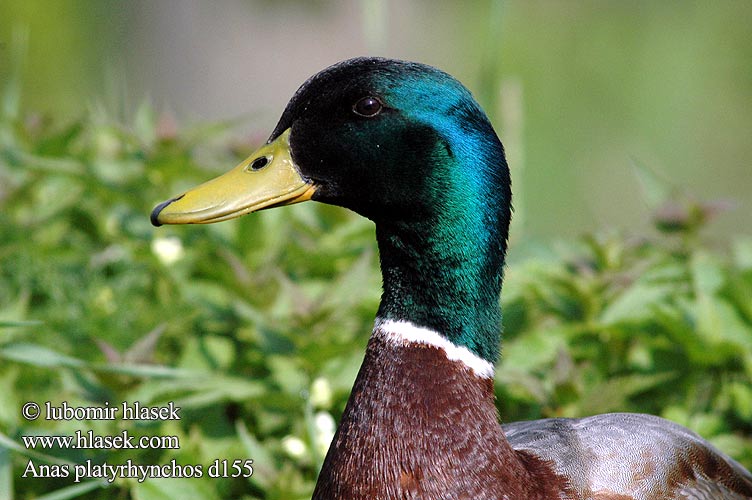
x: 89, y: 440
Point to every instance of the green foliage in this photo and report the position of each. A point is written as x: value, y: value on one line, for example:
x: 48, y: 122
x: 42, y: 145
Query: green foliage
x: 256, y: 327
x: 659, y: 325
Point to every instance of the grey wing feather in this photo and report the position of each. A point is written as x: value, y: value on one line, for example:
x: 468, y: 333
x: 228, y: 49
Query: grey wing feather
x: 632, y: 456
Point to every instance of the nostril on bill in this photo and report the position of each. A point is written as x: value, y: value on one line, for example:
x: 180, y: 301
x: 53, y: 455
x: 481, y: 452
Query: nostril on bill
x: 259, y: 163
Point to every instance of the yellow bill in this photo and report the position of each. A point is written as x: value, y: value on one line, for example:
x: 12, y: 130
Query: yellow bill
x: 268, y: 178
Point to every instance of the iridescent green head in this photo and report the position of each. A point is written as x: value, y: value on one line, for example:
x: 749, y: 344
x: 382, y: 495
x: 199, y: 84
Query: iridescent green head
x: 407, y: 146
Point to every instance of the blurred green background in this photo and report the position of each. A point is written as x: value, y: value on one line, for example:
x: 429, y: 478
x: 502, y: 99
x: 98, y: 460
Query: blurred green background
x: 629, y: 285
x: 599, y: 84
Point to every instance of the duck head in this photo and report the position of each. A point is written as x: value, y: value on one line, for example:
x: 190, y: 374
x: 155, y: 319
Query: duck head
x: 407, y: 146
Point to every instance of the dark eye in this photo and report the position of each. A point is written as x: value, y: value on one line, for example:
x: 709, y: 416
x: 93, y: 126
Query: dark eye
x: 368, y: 106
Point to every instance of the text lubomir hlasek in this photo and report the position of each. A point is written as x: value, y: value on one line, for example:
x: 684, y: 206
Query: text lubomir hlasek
x: 126, y: 411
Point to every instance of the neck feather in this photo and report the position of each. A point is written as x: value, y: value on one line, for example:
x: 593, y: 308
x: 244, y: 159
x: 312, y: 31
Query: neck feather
x: 404, y: 333
x: 411, y: 415
x: 442, y: 264
x: 421, y: 425
x: 445, y: 275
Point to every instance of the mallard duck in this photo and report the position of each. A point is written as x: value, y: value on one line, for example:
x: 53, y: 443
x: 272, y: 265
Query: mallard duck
x: 407, y: 146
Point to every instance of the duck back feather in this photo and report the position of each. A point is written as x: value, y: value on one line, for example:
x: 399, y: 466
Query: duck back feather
x: 629, y: 456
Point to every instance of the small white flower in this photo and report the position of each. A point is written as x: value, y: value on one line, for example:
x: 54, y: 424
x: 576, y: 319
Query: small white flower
x: 294, y: 446
x: 321, y: 393
x: 325, y: 428
x: 168, y: 249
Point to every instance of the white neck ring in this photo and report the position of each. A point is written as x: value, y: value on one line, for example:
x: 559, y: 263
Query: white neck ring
x: 404, y: 332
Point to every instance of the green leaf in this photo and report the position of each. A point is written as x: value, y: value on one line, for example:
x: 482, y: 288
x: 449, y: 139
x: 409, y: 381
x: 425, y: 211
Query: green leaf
x: 733, y: 445
x: 6, y: 473
x: 613, y: 394
x: 58, y: 144
x: 175, y: 488
x: 741, y: 394
x: 146, y: 371
x: 8, y: 443
x: 74, y: 491
x: 37, y: 355
x: 221, y: 389
x: 720, y: 325
x: 287, y: 373
x: 264, y: 471
x: 636, y: 303
x: 707, y: 273
x: 533, y: 351
x: 18, y: 324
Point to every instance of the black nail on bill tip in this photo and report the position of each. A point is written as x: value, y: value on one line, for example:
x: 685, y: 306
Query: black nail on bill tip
x: 155, y: 213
